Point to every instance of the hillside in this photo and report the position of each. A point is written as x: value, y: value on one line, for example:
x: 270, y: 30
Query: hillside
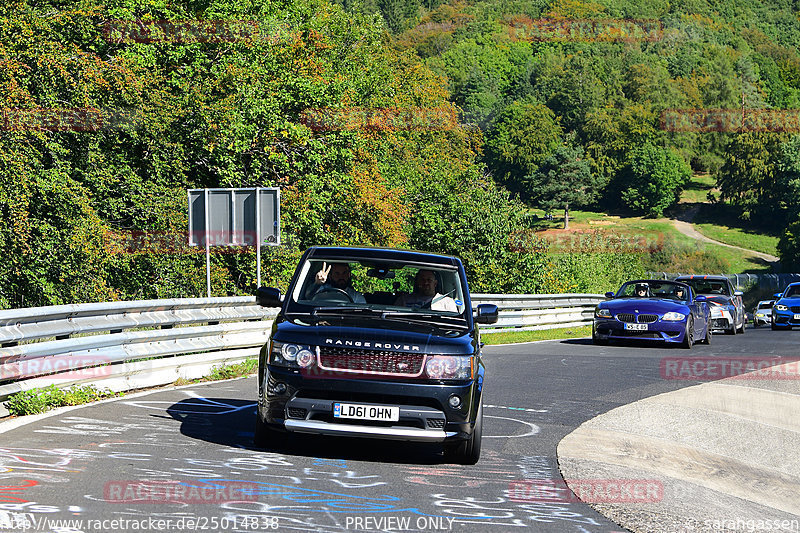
x: 412, y: 123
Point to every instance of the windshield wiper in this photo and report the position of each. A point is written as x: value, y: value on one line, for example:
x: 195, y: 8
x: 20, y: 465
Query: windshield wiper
x: 345, y: 311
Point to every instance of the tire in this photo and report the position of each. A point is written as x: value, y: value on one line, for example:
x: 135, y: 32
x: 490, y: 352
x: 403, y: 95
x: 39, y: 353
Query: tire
x: 707, y: 338
x: 266, y: 437
x: 688, y: 338
x: 732, y: 330
x: 744, y: 325
x: 598, y: 341
x: 469, y: 451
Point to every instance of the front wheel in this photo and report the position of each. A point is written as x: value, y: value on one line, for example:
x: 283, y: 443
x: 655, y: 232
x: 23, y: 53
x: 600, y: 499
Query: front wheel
x: 469, y: 451
x: 707, y: 338
x: 266, y: 437
x: 688, y: 337
x: 597, y: 340
x: 744, y: 324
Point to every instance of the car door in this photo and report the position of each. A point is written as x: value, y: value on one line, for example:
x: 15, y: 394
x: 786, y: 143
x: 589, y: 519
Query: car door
x: 738, y: 303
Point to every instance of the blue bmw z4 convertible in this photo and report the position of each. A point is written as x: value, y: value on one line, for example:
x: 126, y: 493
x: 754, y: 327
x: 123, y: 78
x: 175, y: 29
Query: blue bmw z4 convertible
x: 657, y: 310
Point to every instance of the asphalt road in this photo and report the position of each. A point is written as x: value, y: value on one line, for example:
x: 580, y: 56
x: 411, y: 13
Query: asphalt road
x: 110, y: 466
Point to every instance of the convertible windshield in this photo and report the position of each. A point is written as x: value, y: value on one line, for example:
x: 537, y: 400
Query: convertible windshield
x: 654, y: 289
x: 377, y: 290
x: 708, y: 287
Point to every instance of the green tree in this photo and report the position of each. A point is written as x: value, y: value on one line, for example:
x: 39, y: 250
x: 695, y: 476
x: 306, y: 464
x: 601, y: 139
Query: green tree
x: 655, y: 177
x: 524, y: 134
x: 564, y: 179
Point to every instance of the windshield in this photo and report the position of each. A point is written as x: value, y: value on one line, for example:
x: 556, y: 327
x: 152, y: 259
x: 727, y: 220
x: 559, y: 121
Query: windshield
x: 654, y: 289
x: 352, y: 287
x: 792, y: 291
x: 708, y: 287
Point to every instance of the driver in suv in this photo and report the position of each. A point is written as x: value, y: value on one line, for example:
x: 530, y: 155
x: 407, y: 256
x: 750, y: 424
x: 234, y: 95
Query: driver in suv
x: 340, y: 280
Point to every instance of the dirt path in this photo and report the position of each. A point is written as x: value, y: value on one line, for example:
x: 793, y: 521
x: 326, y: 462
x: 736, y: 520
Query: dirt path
x: 684, y: 225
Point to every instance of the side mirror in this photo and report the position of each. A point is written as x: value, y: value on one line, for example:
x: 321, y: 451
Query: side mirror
x: 738, y: 293
x: 777, y: 295
x: 486, y: 314
x: 609, y: 295
x: 700, y: 298
x: 268, y: 297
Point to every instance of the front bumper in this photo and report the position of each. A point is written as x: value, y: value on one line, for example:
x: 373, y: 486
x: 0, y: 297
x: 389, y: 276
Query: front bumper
x: 785, y: 318
x: 721, y: 318
x: 762, y: 318
x: 306, y: 406
x: 661, y: 330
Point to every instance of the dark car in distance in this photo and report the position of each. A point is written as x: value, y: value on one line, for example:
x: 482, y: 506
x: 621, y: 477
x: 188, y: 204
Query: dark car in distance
x: 786, y: 309
x: 387, y: 347
x: 653, y: 310
x: 725, y: 302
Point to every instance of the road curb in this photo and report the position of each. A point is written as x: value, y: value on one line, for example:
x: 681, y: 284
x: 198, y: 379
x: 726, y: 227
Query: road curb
x: 724, y: 452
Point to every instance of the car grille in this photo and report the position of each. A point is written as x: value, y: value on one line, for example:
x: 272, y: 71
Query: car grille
x: 296, y: 412
x: 631, y: 318
x: 371, y: 361
x: 436, y: 423
x: 795, y: 309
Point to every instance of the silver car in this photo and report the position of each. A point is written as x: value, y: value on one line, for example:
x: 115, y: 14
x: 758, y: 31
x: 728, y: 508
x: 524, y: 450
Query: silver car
x: 762, y: 314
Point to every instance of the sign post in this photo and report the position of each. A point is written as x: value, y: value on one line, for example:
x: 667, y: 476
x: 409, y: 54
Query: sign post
x: 234, y: 217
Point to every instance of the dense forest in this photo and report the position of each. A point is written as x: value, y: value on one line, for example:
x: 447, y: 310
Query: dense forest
x: 544, y: 122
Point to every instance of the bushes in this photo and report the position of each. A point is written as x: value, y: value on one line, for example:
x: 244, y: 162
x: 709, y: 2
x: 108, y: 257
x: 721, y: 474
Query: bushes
x: 676, y: 257
x: 36, y: 401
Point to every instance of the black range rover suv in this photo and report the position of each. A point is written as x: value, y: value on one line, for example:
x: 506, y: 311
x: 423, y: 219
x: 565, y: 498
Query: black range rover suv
x: 360, y: 348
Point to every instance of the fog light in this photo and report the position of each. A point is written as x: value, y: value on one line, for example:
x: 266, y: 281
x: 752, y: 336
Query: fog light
x: 279, y: 388
x: 454, y: 401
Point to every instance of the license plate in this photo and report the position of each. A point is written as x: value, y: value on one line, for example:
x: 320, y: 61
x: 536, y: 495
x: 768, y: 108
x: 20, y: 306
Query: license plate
x: 637, y: 327
x: 366, y: 412
x: 797, y: 316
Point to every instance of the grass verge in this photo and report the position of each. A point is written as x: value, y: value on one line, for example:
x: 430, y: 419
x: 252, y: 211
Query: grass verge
x: 237, y: 370
x: 766, y: 244
x: 34, y: 401
x: 512, y: 337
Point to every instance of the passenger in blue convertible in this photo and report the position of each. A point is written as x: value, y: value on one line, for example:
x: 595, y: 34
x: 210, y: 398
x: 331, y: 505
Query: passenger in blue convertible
x: 426, y: 294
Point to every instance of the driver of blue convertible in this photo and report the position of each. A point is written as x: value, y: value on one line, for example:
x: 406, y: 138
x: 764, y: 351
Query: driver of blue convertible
x: 335, y: 276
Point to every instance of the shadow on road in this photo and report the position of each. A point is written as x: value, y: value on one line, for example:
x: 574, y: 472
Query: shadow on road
x: 230, y: 422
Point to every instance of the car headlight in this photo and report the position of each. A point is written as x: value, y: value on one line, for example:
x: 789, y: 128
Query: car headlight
x: 602, y: 313
x: 781, y: 307
x: 449, y: 367
x: 672, y: 315
x: 292, y: 355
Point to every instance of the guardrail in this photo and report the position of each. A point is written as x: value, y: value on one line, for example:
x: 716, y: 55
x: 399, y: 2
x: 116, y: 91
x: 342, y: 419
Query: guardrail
x: 130, y: 345
x: 522, y: 312
x: 775, y: 282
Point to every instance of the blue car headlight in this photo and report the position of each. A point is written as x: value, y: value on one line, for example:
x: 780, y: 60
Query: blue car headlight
x: 781, y: 307
x: 602, y: 313
x: 673, y: 316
